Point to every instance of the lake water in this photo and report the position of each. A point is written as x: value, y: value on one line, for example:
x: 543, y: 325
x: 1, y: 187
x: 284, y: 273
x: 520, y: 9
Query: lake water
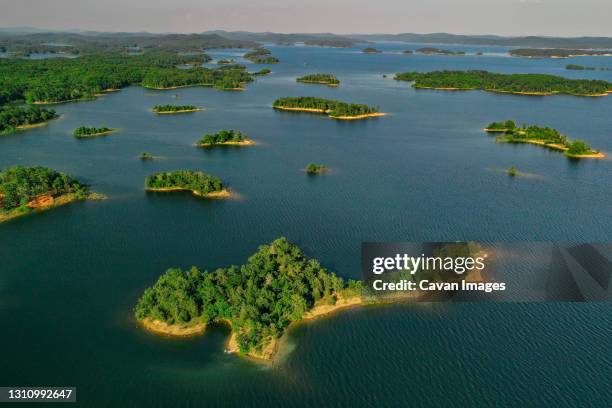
x: 69, y: 277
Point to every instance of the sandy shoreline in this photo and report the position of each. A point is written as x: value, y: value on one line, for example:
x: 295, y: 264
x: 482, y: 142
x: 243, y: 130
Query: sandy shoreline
x: 507, y: 92
x: 178, y: 111
x: 160, y: 327
x: 32, y: 126
x: 225, y: 193
x: 245, y: 142
x: 331, y: 85
x: 96, y: 134
x: 595, y: 155
x: 357, y: 117
x: 314, y: 110
x: 48, y: 204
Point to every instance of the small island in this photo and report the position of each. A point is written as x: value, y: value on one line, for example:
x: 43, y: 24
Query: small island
x: 543, y: 136
x: 334, y: 109
x: 557, y: 53
x: 146, y: 156
x: 261, y: 72
x: 24, y: 190
x: 84, y: 131
x: 225, y: 138
x: 14, y: 118
x: 407, y: 52
x: 370, y: 50
x: 198, y: 183
x: 438, y: 51
x: 575, y: 67
x: 512, y: 172
x: 170, y: 109
x: 520, y: 84
x: 259, y: 300
x: 322, y: 79
x: 314, y: 168
x: 226, y: 62
x: 261, y: 56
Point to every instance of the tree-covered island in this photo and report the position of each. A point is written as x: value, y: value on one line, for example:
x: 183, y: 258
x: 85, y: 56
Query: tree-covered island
x: 261, y: 56
x: 314, y: 168
x: 542, y: 136
x: 438, y: 51
x: 200, y: 184
x: 229, y: 137
x: 323, y: 79
x: 27, y: 189
x: 370, y: 50
x: 278, y: 285
x: 575, y: 67
x: 522, y: 84
x: 84, y: 131
x: 13, y: 118
x: 226, y: 61
x: 169, y: 109
x: 334, y: 109
x: 557, y: 53
x: 261, y: 72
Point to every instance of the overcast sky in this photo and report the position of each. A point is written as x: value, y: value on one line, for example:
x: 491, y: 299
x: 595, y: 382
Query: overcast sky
x: 505, y: 17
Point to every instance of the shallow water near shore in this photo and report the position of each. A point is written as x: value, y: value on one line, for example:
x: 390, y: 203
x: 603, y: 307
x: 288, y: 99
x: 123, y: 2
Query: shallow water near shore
x: 69, y: 277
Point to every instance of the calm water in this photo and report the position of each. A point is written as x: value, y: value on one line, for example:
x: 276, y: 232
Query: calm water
x: 70, y: 277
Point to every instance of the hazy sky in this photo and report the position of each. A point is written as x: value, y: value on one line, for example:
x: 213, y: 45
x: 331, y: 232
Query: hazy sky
x: 506, y: 17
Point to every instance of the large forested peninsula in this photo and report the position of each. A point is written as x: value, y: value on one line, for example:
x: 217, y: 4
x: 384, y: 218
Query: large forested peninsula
x: 13, y: 118
x: 542, y: 136
x: 323, y: 79
x: 20, y: 45
x: 523, y: 84
x: 57, y: 80
x: 334, y: 109
x: 27, y: 189
x: 199, y: 183
x: 261, y: 56
x: 278, y: 285
x: 229, y: 137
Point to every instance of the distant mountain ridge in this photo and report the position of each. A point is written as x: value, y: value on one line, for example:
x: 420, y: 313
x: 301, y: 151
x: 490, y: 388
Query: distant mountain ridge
x: 245, y: 39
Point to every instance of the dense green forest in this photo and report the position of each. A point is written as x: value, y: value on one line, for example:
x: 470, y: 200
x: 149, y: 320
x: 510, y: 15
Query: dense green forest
x: 555, y: 52
x: 545, y: 135
x: 85, y: 131
x: 314, y: 168
x: 516, y: 83
x: 261, y: 56
x: 438, y: 51
x: 20, y: 185
x: 222, y: 136
x: 327, y: 79
x: 331, y: 107
x: 12, y: 117
x: 64, y: 79
x: 195, y: 181
x: 174, y: 108
x: 276, y: 286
